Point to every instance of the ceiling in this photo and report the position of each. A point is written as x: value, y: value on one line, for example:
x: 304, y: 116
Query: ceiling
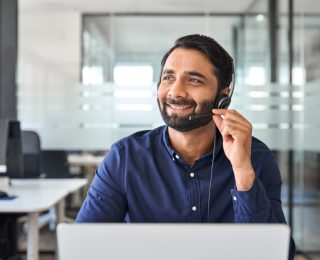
x: 94, y: 6
x: 164, y: 6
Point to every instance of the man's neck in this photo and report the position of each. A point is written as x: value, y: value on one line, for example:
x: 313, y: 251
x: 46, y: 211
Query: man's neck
x: 193, y: 144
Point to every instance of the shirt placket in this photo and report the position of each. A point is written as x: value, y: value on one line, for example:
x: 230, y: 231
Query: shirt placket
x: 194, y: 194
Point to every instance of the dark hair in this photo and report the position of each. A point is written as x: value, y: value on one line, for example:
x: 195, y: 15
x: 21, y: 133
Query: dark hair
x: 217, y: 55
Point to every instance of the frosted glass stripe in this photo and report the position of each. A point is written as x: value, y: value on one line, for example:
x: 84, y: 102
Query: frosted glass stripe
x: 93, y: 117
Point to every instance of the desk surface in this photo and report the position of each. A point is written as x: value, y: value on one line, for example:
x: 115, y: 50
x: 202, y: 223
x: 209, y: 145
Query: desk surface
x: 85, y: 159
x: 35, y: 195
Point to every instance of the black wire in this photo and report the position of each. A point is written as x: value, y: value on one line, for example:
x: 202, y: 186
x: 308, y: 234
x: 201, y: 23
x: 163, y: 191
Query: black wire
x: 211, y: 174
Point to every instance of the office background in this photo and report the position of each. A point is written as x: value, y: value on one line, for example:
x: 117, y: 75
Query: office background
x: 86, y: 74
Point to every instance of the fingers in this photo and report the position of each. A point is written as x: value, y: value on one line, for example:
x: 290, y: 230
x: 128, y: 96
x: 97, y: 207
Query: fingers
x: 231, y: 113
x: 233, y: 128
x: 231, y: 122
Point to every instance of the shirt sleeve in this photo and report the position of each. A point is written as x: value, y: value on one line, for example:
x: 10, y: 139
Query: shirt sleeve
x: 262, y: 203
x: 254, y: 206
x: 106, y: 200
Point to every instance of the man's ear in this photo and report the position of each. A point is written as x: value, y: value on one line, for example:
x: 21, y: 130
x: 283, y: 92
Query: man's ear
x: 223, y: 100
x: 225, y: 91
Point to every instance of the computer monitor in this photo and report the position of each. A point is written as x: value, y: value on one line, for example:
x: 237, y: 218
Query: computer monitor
x: 11, y: 161
x: 3, y: 146
x: 173, y: 241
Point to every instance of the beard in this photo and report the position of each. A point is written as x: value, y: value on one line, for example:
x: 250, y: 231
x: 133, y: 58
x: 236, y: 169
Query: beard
x: 182, y: 123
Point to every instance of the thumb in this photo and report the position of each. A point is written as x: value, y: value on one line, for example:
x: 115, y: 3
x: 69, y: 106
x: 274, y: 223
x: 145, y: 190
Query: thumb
x: 218, y: 121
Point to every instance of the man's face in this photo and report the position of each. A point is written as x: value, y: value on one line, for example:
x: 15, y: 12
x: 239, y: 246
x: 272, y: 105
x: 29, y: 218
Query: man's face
x: 188, y: 86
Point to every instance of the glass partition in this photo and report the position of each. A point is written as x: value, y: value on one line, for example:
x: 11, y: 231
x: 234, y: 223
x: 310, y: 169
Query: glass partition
x: 306, y: 166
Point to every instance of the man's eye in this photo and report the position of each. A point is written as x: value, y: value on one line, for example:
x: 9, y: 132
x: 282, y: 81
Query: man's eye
x: 167, y: 78
x: 194, y: 81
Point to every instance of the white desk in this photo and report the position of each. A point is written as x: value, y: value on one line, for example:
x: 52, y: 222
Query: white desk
x: 88, y: 164
x: 35, y: 196
x: 85, y: 160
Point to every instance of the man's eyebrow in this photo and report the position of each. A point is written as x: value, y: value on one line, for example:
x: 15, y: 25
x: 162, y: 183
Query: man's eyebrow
x: 167, y: 71
x: 197, y: 74
x: 190, y: 73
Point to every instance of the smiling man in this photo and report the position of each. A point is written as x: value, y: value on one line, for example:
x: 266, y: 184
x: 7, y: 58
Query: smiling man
x: 209, y: 169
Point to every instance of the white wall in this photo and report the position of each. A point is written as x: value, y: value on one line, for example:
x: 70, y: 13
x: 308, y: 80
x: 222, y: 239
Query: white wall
x: 49, y: 47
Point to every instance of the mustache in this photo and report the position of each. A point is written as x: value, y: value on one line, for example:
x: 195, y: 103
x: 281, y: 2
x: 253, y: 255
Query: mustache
x: 180, y: 101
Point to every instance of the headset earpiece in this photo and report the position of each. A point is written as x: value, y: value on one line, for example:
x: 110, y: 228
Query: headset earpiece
x: 223, y: 102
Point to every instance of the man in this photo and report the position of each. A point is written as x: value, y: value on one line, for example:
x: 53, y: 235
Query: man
x: 209, y: 169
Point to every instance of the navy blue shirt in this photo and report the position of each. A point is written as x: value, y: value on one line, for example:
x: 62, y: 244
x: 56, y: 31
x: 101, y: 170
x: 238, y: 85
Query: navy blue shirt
x: 142, y: 179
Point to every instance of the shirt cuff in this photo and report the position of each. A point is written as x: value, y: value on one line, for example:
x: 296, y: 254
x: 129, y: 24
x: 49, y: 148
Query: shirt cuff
x: 252, y: 205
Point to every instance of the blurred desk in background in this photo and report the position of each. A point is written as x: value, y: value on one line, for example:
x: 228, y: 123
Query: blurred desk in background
x: 85, y: 163
x: 85, y: 160
x: 35, y: 196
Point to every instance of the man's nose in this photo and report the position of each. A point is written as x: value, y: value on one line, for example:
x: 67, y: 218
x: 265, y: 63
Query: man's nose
x: 177, y: 89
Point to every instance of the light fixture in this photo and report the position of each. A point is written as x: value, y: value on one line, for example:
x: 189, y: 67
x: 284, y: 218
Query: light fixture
x: 260, y: 18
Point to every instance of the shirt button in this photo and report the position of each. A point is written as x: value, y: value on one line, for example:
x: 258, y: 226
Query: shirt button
x: 234, y: 198
x: 194, y: 208
x: 191, y: 174
x: 177, y: 156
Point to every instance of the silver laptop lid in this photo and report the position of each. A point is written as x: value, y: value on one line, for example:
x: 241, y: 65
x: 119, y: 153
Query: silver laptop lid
x: 173, y: 241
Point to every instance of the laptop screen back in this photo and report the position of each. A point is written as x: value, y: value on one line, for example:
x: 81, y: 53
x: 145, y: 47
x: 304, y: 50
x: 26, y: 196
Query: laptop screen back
x: 173, y: 241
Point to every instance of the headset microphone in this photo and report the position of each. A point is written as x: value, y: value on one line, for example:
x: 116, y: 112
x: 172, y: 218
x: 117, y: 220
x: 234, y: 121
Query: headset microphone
x: 199, y: 116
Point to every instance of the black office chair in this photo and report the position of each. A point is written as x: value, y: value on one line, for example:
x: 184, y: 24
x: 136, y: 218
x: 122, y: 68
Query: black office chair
x: 31, y: 153
x: 55, y: 164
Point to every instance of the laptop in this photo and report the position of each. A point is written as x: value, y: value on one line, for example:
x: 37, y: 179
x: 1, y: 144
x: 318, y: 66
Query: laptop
x: 173, y: 241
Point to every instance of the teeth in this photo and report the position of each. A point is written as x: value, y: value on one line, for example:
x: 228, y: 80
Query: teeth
x: 179, y: 106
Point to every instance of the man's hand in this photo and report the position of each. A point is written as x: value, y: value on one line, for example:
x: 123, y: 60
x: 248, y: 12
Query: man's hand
x: 236, y: 133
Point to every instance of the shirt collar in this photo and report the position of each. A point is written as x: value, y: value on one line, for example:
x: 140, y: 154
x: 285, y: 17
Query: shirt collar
x: 165, y: 138
x: 175, y: 156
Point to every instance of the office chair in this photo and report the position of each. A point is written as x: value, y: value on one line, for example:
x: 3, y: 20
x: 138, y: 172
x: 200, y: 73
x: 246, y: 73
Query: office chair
x: 31, y: 153
x: 55, y: 164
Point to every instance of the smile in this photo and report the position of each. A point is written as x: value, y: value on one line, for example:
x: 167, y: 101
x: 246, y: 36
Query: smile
x: 179, y: 107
